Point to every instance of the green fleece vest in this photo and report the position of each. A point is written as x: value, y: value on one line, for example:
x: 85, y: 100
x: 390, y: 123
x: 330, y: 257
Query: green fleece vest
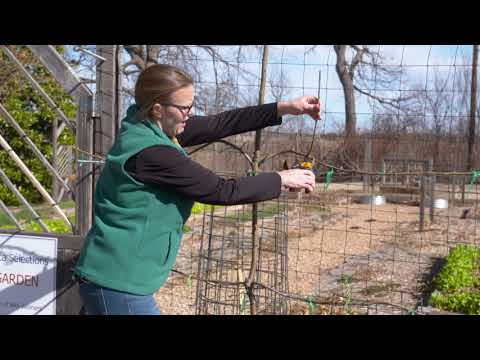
x: 137, y: 229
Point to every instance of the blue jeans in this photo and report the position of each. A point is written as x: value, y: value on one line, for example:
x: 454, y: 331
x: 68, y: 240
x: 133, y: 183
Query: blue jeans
x: 99, y: 300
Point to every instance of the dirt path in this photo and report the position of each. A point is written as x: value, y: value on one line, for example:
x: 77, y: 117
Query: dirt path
x: 377, y: 254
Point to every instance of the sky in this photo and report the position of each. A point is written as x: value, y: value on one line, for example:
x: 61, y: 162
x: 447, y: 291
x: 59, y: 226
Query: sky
x: 305, y: 69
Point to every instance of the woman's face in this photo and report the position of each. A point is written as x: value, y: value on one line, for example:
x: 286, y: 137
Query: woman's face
x: 172, y: 116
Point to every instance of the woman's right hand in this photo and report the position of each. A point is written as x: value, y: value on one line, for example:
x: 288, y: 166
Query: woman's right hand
x: 297, y: 179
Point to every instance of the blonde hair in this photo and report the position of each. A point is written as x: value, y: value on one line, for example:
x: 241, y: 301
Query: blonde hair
x: 156, y: 84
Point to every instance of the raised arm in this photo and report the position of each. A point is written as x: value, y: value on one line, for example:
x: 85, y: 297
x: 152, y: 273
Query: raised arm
x: 204, y: 129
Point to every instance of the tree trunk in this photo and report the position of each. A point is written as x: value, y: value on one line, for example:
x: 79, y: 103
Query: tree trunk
x: 346, y: 79
x: 255, y: 237
x: 152, y: 54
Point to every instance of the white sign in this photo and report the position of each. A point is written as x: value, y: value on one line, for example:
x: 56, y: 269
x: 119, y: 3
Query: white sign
x: 28, y: 266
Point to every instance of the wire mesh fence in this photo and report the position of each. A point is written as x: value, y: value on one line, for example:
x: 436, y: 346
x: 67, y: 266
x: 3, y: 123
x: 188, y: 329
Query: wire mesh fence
x: 396, y: 162
x: 401, y: 192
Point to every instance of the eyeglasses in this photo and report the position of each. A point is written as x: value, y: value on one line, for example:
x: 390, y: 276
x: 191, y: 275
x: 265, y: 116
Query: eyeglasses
x: 185, y: 110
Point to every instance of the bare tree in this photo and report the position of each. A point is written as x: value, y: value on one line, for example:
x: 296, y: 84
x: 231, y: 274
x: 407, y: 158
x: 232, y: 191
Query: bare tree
x: 196, y: 60
x: 434, y: 121
x: 357, y: 73
x: 279, y: 84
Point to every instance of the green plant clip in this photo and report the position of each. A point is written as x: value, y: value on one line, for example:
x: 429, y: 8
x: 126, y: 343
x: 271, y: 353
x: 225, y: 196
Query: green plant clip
x: 189, y: 281
x: 251, y: 173
x: 311, y: 305
x: 412, y: 312
x: 329, y: 178
x: 242, y: 305
x: 475, y: 175
x: 381, y: 173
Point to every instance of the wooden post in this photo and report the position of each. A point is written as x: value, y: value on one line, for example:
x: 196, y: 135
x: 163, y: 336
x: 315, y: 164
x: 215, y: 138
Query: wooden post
x: 384, y: 169
x: 84, y: 181
x: 215, y: 157
x: 365, y: 157
x: 451, y: 190
x: 367, y: 164
x: 118, y: 87
x: 256, y: 156
x: 422, y: 202
x: 473, y: 110
x: 106, y: 105
x: 433, y: 181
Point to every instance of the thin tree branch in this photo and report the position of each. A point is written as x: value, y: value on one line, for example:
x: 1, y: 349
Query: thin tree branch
x: 280, y: 153
x: 384, y: 101
x: 239, y: 149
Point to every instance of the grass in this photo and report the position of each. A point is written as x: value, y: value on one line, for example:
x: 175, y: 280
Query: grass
x: 263, y: 212
x: 58, y: 225
x: 67, y: 204
x: 346, y: 282
x: 45, y: 212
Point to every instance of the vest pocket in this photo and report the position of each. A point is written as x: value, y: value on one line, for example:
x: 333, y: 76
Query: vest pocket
x: 156, y: 248
x: 174, y: 240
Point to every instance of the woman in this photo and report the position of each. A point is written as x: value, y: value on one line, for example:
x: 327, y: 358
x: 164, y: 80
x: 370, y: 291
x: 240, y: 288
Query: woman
x: 149, y: 184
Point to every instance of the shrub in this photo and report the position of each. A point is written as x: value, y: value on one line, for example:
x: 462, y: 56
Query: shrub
x: 458, y: 283
x: 55, y: 226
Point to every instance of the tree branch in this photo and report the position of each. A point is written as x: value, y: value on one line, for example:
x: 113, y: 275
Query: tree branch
x: 130, y: 92
x: 392, y: 103
x: 280, y: 153
x: 358, y: 58
x: 136, y: 54
x: 240, y: 150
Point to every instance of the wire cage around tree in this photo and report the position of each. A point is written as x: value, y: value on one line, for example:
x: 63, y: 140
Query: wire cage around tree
x: 225, y: 259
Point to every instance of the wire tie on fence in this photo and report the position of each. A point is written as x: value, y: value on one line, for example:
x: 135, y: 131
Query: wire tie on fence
x: 189, y: 281
x: 329, y: 178
x: 242, y: 304
x: 412, y: 312
x: 475, y: 175
x: 311, y: 304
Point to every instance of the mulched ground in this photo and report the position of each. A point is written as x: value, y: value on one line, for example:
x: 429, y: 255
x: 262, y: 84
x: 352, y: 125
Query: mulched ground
x: 357, y: 258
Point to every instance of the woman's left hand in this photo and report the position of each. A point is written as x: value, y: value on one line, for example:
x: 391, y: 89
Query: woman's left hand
x: 309, y: 105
